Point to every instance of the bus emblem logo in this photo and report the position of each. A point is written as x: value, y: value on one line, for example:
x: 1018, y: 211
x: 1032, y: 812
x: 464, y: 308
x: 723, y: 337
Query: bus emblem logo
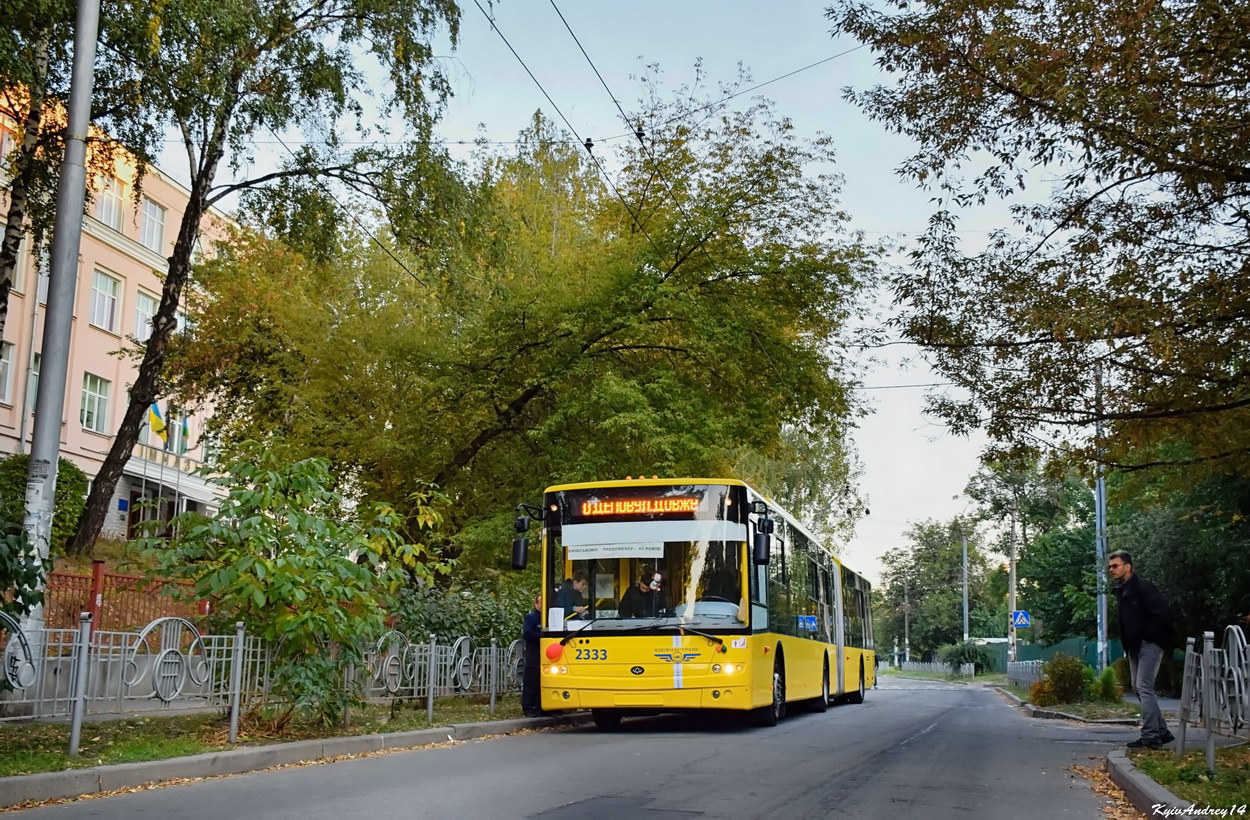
x: 676, y: 657
x: 636, y: 670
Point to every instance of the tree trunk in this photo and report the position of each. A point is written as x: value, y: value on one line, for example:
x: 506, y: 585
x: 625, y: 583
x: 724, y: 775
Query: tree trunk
x: 145, y: 389
x: 15, y: 221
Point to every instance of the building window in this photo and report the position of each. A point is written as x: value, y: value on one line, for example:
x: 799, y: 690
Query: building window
x: 7, y: 144
x: 145, y: 308
x: 19, y: 267
x: 152, y: 226
x: 105, y: 291
x: 32, y: 385
x: 95, y: 403
x: 44, y: 269
x: 6, y: 372
x: 108, y: 204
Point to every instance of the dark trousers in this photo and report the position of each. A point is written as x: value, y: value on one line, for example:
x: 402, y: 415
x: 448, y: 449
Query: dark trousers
x: 530, y: 700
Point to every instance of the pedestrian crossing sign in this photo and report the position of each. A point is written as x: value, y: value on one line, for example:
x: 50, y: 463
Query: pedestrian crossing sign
x: 1020, y: 617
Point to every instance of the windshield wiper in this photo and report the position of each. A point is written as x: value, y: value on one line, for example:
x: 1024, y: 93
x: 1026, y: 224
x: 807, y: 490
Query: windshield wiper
x: 653, y: 623
x: 572, y: 633
x: 712, y: 638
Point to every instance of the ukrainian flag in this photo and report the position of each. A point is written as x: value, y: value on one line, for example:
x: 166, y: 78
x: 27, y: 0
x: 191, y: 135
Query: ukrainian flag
x: 157, y: 423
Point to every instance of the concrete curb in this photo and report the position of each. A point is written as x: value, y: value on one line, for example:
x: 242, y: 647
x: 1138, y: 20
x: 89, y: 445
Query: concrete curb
x: 1147, y: 796
x: 71, y: 783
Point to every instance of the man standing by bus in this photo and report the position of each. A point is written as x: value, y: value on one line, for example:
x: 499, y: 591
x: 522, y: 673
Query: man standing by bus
x: 1146, y: 632
x: 531, y: 631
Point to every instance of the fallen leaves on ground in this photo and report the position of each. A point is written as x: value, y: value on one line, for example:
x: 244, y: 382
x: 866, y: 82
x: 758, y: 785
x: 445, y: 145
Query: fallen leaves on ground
x: 1118, y: 806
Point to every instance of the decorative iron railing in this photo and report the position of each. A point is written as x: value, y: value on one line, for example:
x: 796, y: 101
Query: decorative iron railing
x: 169, y: 665
x: 1214, y: 690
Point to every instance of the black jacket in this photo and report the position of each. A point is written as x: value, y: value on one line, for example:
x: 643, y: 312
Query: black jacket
x: 569, y: 598
x: 531, y: 631
x: 639, y: 604
x: 1143, y: 615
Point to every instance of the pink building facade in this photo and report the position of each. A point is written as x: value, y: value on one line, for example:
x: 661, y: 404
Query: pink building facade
x: 121, y: 262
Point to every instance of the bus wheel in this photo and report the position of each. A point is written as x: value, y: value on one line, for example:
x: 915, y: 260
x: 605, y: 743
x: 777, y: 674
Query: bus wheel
x: 858, y: 695
x: 606, y: 719
x: 821, y: 704
x: 775, y: 711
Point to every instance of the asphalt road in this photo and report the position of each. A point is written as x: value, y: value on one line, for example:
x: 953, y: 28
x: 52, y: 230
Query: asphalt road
x: 912, y: 750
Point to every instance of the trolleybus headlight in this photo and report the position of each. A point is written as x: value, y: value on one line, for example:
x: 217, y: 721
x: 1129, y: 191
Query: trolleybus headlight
x: 716, y: 667
x: 564, y: 670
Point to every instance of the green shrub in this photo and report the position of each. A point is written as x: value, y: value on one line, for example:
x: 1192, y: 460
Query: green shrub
x: 1066, y: 676
x: 68, y: 502
x: 1041, y: 694
x: 306, y: 571
x: 1123, y: 675
x: 958, y: 654
x: 480, y: 610
x: 1106, y: 687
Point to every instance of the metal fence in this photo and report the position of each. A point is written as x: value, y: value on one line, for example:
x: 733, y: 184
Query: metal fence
x: 1214, y: 689
x: 1025, y: 673
x: 169, y: 666
x: 115, y: 600
x: 966, y: 670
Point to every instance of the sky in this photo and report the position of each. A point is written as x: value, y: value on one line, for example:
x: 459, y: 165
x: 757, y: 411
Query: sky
x: 913, y: 470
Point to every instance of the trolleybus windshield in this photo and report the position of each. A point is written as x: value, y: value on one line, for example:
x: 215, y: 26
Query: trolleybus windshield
x: 650, y: 555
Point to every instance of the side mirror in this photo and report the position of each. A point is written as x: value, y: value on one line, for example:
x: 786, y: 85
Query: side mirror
x: 763, y: 543
x: 520, y: 552
x: 522, y: 524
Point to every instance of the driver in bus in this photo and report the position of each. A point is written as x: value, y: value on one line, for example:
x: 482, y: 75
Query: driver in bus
x: 645, y: 599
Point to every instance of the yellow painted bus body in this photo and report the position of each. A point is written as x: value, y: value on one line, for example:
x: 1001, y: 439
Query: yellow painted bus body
x: 675, y: 668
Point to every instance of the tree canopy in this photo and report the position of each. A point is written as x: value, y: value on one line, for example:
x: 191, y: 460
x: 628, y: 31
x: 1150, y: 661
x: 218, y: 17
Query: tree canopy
x: 921, y: 592
x: 222, y: 74
x: 1121, y: 295
x: 562, y: 327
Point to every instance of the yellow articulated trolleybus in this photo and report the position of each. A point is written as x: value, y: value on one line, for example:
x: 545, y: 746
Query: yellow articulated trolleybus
x: 667, y: 595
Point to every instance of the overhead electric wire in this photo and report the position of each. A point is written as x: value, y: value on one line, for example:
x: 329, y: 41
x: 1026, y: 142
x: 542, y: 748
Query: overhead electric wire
x: 638, y: 132
x: 587, y: 143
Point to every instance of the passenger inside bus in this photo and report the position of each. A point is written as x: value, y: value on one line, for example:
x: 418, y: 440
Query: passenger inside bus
x: 645, y: 599
x: 572, y: 595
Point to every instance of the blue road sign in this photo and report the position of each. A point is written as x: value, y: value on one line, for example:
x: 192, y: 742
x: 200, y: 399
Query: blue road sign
x: 1020, y: 617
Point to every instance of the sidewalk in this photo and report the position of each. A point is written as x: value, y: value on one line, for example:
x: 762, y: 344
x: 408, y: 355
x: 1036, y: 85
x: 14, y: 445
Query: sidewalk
x: 36, y: 788
x: 1144, y: 793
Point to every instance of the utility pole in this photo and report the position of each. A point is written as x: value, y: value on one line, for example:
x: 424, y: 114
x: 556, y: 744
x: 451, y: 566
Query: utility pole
x: 66, y: 237
x: 1100, y: 529
x: 964, y: 538
x: 906, y: 622
x: 1011, y: 588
